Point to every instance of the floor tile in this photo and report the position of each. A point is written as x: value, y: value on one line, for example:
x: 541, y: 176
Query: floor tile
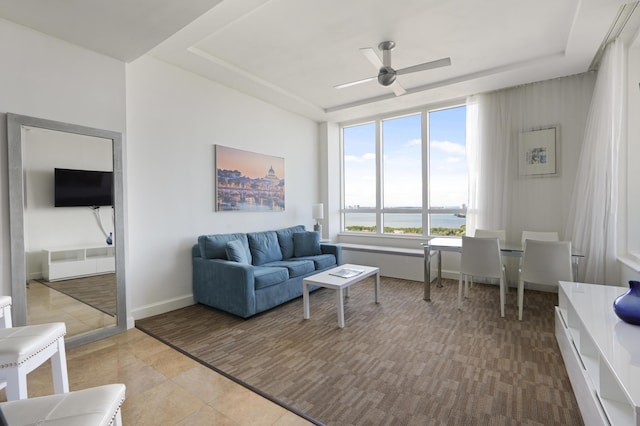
x: 163, y: 385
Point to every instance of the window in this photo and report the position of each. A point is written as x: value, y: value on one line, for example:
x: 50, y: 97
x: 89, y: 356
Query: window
x: 394, y: 173
x: 402, y: 175
x: 448, y: 176
x: 360, y: 183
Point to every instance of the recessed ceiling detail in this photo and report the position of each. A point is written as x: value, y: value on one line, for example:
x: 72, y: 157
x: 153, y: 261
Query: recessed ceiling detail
x: 292, y: 54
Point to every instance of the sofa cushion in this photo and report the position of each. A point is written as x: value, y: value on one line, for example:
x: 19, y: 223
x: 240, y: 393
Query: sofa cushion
x: 237, y: 252
x: 267, y: 276
x: 264, y: 247
x: 295, y: 267
x: 215, y: 246
x: 285, y: 239
x: 306, y: 244
x: 321, y: 261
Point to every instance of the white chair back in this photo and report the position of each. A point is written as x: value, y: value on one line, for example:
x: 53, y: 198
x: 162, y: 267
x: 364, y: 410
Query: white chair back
x: 547, y: 262
x: 481, y: 257
x: 544, y: 262
x: 539, y: 236
x: 501, y: 234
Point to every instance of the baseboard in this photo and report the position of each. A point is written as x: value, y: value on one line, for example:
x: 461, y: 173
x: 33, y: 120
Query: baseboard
x: 131, y: 322
x: 162, y: 307
x: 451, y: 275
x: 34, y: 276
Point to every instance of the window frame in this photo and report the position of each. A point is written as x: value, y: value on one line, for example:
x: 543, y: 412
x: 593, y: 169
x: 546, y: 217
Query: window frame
x: 379, y: 210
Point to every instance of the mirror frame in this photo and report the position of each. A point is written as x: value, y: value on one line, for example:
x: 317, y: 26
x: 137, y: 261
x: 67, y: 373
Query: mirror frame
x: 15, y: 123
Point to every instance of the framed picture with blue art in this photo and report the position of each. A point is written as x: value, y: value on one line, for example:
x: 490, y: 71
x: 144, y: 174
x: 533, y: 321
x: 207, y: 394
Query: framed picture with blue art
x: 537, y: 152
x: 248, y: 181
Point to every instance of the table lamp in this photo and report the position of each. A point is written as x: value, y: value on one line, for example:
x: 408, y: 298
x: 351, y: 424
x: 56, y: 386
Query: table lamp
x: 318, y: 214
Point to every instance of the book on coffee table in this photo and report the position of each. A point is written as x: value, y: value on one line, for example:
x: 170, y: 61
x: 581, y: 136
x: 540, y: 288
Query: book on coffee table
x: 346, y: 272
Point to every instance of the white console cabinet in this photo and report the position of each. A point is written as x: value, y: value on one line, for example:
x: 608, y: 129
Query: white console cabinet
x: 601, y: 354
x: 73, y: 262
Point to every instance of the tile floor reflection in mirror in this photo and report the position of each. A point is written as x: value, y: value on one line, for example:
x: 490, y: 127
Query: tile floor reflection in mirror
x: 47, y: 305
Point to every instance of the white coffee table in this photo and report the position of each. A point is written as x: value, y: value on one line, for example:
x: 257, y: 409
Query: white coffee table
x: 327, y: 280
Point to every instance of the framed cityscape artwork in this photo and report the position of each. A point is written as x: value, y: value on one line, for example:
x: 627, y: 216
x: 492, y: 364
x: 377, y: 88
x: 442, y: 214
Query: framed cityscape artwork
x: 248, y: 181
x: 537, y: 152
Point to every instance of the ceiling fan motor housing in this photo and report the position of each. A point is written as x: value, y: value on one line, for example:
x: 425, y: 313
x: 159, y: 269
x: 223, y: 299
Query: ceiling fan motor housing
x: 386, y: 76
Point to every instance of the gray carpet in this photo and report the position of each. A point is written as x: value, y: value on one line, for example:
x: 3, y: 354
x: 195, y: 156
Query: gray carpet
x: 402, y: 362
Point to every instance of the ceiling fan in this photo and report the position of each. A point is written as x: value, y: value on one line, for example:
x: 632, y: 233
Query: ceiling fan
x: 386, y: 74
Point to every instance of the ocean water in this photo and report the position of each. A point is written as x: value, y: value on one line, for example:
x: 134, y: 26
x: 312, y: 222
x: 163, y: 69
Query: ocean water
x: 402, y: 220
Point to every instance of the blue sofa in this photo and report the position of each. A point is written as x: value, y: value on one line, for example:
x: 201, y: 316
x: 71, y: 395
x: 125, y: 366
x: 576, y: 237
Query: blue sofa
x: 245, y: 274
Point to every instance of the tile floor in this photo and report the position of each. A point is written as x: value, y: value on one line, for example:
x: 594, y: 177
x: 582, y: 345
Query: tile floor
x: 163, y: 385
x: 46, y: 305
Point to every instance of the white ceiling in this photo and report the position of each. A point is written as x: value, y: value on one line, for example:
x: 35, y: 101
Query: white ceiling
x: 122, y: 29
x: 291, y: 53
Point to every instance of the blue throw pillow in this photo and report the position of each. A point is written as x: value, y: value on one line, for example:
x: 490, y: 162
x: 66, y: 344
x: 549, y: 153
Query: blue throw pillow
x: 236, y: 252
x: 306, y: 244
x: 264, y: 247
x: 285, y: 239
x: 214, y: 246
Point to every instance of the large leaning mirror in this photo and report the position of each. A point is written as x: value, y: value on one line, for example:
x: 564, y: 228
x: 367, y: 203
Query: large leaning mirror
x: 66, y: 227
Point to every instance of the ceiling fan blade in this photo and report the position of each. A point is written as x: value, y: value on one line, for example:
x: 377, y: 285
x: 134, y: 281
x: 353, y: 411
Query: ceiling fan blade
x: 371, y: 55
x: 397, y: 89
x: 353, y: 83
x: 426, y: 66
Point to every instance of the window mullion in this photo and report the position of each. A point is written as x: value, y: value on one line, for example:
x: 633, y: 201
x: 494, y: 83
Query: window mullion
x: 425, y: 174
x: 379, y: 177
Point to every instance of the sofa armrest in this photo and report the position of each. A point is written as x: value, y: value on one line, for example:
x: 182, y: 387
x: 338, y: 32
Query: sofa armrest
x: 333, y: 249
x: 225, y: 285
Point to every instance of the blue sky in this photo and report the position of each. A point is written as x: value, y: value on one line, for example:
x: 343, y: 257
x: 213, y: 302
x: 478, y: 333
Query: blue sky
x: 402, y: 161
x: 448, y: 164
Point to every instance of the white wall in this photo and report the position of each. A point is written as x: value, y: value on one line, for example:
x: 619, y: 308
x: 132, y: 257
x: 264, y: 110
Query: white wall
x: 174, y: 120
x: 630, y: 191
x: 330, y: 172
x: 47, y: 78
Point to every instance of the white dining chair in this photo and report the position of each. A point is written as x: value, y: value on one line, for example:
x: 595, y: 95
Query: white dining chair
x: 539, y: 236
x: 501, y: 234
x: 544, y: 262
x: 481, y: 258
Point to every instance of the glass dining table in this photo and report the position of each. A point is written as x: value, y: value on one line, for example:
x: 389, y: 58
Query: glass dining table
x: 435, y: 247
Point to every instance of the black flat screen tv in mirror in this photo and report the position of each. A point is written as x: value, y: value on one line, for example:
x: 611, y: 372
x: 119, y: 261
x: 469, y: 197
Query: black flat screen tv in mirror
x: 82, y: 188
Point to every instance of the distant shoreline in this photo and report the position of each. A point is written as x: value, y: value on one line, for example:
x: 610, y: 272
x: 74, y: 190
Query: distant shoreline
x: 406, y: 220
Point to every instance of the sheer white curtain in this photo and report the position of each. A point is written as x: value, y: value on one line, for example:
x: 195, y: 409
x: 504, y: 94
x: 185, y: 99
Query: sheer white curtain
x: 472, y: 144
x: 592, y: 220
x: 488, y: 152
x: 499, y: 197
